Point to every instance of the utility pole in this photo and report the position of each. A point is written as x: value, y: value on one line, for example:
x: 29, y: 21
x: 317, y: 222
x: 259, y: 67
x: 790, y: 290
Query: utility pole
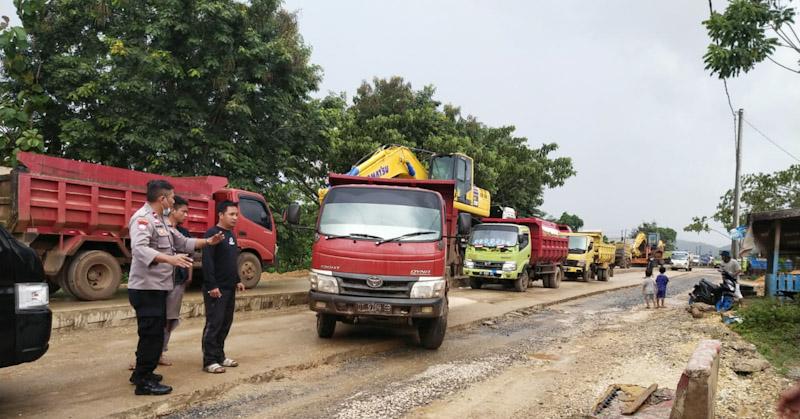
x: 736, y: 188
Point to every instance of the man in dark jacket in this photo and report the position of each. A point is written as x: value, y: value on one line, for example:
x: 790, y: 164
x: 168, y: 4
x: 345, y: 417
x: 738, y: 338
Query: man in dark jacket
x: 220, y: 283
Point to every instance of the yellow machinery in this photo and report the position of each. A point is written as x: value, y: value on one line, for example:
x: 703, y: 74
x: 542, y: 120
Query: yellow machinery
x: 589, y: 256
x: 643, y: 250
x: 396, y: 161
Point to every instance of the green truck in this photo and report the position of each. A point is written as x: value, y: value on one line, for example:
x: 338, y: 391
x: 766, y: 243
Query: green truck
x: 514, y: 252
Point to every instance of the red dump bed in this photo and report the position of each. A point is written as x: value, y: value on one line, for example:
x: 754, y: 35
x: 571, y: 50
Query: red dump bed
x: 546, y: 244
x: 52, y: 195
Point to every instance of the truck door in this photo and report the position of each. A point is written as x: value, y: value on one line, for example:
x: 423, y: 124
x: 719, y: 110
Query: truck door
x: 256, y: 228
x: 463, y: 178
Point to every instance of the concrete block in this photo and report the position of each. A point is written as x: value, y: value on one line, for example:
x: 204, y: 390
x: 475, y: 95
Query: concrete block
x: 697, y: 388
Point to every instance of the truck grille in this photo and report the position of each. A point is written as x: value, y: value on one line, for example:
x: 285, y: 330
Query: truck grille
x: 488, y: 265
x: 392, y: 287
x: 571, y: 262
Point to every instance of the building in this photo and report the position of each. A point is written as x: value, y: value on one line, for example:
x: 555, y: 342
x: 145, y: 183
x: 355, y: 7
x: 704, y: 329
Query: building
x: 776, y: 235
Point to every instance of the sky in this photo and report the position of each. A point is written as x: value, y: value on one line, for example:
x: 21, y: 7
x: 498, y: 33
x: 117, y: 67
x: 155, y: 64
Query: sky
x: 619, y: 85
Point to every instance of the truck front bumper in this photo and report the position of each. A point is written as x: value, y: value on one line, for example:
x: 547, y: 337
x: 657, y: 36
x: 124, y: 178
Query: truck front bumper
x: 573, y: 269
x: 491, y: 273
x: 353, y: 306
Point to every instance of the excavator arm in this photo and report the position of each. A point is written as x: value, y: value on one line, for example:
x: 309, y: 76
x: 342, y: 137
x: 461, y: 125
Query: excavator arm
x: 400, y: 162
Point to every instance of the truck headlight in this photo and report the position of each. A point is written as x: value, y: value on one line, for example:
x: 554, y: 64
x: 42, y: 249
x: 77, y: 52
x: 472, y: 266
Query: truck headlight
x: 428, y: 287
x: 324, y: 281
x: 31, y: 295
x: 510, y: 266
x: 581, y: 263
x: 469, y: 263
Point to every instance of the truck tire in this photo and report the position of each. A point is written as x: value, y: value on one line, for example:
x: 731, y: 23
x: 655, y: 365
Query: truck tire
x: 611, y: 271
x: 602, y: 274
x: 555, y: 279
x: 61, y: 278
x: 326, y: 325
x: 585, y: 277
x: 93, y: 275
x: 431, y: 331
x: 249, y: 269
x: 522, y: 281
x: 475, y: 283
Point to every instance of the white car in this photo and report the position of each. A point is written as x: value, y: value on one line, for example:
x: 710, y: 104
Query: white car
x: 681, y: 260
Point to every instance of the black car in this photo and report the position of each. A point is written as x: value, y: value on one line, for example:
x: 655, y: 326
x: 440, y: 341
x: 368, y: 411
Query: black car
x: 25, y: 316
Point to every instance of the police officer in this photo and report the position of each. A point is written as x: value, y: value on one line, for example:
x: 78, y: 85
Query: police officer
x: 156, y: 249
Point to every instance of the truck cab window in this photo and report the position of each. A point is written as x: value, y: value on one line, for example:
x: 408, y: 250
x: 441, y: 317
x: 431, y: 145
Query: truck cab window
x: 463, y: 173
x: 256, y: 212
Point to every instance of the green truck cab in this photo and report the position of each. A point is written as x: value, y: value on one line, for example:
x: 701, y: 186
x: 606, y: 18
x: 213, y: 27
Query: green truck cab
x: 589, y: 256
x: 515, y: 252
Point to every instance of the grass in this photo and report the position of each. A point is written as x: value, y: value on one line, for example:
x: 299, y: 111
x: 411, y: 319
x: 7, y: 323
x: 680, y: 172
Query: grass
x: 774, y: 327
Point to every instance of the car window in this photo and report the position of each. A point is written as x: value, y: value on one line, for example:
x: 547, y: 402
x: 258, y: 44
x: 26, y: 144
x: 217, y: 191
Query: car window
x: 256, y: 212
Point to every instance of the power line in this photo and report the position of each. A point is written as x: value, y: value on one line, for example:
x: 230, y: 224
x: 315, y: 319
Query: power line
x: 771, y: 141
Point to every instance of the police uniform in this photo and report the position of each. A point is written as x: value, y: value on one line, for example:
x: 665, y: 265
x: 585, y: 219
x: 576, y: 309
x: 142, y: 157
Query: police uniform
x: 150, y: 281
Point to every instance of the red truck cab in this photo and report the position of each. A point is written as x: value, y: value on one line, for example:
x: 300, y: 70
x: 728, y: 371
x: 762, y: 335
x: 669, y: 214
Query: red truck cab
x: 386, y: 250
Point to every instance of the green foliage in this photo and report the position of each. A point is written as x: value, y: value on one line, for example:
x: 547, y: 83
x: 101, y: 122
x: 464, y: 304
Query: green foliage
x: 667, y: 235
x: 760, y: 192
x: 390, y: 111
x: 774, y: 327
x: 746, y: 34
x: 221, y: 87
x: 572, y: 220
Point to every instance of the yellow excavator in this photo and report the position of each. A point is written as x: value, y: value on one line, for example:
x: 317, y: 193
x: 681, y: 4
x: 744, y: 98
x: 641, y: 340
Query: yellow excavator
x: 395, y: 161
x: 643, y: 250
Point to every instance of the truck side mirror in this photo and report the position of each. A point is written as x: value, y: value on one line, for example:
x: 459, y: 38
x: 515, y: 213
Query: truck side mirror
x: 464, y: 224
x: 591, y: 245
x: 292, y: 215
x: 520, y: 238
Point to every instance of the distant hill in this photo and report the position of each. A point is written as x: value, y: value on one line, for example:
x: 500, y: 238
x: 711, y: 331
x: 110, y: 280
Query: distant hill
x: 705, y: 248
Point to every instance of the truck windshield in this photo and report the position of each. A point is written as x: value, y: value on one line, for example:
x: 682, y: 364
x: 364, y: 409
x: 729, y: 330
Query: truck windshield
x: 493, y: 236
x: 382, y: 213
x: 679, y: 256
x: 577, y: 244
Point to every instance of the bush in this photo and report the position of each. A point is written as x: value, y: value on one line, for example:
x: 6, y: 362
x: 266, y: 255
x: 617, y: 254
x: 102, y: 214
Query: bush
x: 774, y: 327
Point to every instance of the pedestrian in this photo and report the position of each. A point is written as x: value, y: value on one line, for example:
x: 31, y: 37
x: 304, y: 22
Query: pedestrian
x: 661, y: 286
x: 153, y: 256
x: 183, y: 277
x: 220, y: 283
x: 732, y: 268
x: 649, y: 289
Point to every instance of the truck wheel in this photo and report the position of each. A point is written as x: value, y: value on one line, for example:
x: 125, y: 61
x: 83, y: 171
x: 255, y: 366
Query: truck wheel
x: 602, y: 274
x: 431, y: 331
x: 585, y: 277
x: 521, y: 283
x: 475, y: 283
x: 93, y: 275
x: 611, y: 271
x: 249, y: 269
x: 326, y: 325
x: 554, y: 279
x: 61, y: 278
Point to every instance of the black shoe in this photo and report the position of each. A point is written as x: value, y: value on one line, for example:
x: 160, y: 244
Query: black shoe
x: 152, y: 388
x: 152, y: 377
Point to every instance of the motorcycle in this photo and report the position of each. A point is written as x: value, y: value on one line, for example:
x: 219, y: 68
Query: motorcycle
x: 712, y: 294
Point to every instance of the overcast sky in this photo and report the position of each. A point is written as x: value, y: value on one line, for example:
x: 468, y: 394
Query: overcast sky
x: 619, y: 85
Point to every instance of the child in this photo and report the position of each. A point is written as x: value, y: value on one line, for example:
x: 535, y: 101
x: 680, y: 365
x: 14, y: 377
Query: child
x: 649, y: 289
x: 661, y: 287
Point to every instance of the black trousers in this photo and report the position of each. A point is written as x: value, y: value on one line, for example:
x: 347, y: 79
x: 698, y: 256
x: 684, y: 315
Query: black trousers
x: 151, y: 316
x: 219, y: 317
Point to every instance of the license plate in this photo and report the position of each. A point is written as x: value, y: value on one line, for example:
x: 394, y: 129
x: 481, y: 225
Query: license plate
x: 375, y: 308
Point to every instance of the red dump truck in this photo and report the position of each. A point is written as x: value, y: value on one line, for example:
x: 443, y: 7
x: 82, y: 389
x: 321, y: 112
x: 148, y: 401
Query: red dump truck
x: 386, y: 251
x: 75, y: 215
x: 515, y: 252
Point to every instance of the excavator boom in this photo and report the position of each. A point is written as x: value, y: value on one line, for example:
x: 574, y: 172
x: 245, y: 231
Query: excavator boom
x: 401, y: 162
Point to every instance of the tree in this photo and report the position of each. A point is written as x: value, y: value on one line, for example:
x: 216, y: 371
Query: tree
x: 747, y: 33
x: 760, y: 192
x: 390, y: 111
x: 573, y: 221
x: 667, y: 235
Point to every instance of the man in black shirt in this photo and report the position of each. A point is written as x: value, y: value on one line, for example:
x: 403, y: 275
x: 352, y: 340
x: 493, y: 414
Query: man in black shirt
x: 220, y: 283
